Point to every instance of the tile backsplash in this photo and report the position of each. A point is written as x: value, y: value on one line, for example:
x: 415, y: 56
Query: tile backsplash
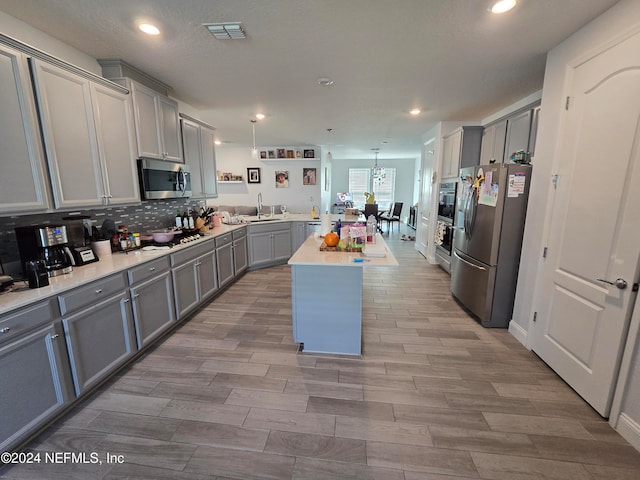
x: 149, y: 215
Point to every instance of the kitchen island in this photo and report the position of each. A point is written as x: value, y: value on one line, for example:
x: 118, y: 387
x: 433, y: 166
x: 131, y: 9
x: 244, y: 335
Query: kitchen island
x: 326, y: 291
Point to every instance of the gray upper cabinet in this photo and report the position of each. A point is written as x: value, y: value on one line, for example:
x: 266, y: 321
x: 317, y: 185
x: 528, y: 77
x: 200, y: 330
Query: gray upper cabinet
x: 461, y: 148
x: 23, y: 184
x: 493, y: 143
x: 88, y: 139
x: 199, y: 153
x: 157, y: 124
x: 518, y: 128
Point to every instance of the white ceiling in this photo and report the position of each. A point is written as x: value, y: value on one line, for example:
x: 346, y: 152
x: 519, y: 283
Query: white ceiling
x: 452, y: 58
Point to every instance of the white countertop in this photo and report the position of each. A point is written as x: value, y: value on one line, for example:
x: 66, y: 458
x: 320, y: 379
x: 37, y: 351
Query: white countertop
x: 300, y: 217
x: 22, y: 295
x: 309, y: 254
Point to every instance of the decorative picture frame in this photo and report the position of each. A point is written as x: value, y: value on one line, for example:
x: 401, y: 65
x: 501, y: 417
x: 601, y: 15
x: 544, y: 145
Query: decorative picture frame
x: 298, y: 153
x: 281, y: 153
x: 309, y: 176
x: 290, y: 154
x: 282, y: 179
x: 253, y: 175
x: 263, y: 154
x: 272, y: 154
x: 309, y: 153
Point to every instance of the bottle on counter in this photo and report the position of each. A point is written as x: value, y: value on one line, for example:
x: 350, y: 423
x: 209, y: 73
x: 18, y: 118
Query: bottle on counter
x: 185, y: 220
x: 191, y: 221
x: 371, y: 229
x: 178, y: 219
x: 338, y: 227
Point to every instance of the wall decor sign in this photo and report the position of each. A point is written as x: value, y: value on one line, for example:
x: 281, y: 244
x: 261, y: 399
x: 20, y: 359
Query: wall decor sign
x: 253, y: 174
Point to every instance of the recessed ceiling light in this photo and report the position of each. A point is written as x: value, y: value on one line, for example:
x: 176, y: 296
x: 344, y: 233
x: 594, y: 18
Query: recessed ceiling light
x: 502, y: 6
x: 259, y: 116
x: 149, y: 29
x: 415, y: 111
x: 217, y: 142
x: 325, y: 81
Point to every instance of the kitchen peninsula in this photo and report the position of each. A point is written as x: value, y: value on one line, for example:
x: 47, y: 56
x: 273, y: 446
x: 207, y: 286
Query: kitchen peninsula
x: 326, y: 291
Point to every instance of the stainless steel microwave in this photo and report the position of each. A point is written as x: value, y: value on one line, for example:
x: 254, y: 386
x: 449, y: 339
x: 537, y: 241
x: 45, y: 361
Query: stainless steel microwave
x: 161, y: 179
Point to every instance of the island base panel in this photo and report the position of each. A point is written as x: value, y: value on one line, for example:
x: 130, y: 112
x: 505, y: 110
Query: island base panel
x: 327, y: 308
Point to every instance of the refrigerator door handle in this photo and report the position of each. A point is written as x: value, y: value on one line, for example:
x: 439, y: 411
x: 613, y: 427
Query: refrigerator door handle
x: 467, y: 262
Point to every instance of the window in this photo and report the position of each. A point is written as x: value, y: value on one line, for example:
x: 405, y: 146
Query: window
x: 360, y: 181
x: 385, y: 191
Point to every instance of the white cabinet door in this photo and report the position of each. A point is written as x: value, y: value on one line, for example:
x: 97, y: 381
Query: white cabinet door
x: 451, y: 154
x: 167, y: 111
x: 69, y: 136
x: 157, y: 124
x: 209, y: 179
x: 193, y: 155
x: 144, y: 108
x: 116, y: 145
x: 493, y: 141
x: 518, y: 128
x: 23, y: 182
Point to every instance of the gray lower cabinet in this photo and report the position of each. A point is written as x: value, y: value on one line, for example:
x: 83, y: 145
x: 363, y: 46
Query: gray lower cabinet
x: 269, y: 244
x: 100, y: 336
x: 35, y: 378
x: 298, y: 235
x: 194, y: 273
x: 151, y: 289
x: 240, y: 260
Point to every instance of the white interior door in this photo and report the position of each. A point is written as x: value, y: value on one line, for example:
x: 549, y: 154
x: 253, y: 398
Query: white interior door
x: 594, y: 227
x: 424, y: 205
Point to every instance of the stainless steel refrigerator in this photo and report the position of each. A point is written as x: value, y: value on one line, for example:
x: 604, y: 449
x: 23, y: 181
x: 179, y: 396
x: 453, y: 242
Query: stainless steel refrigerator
x: 489, y: 225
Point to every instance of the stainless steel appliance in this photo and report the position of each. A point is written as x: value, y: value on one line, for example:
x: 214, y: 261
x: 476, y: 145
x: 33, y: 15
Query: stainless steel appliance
x: 490, y: 215
x: 162, y: 179
x: 77, y: 235
x: 444, y: 225
x: 48, y: 243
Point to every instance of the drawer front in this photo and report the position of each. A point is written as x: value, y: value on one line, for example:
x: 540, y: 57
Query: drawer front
x: 270, y: 227
x: 241, y: 232
x: 16, y: 323
x: 223, y: 239
x: 92, y: 293
x: 148, y: 270
x: 190, y: 253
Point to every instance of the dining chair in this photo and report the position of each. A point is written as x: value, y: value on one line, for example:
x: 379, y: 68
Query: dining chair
x: 393, y: 215
x: 372, y: 209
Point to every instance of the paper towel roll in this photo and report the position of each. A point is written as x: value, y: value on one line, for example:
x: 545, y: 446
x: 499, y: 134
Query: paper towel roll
x: 325, y: 223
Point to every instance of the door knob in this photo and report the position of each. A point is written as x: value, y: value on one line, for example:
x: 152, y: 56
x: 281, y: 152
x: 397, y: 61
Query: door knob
x: 621, y: 283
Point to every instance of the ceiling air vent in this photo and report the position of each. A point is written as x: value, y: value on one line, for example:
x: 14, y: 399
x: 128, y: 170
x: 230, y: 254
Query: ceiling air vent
x: 226, y: 31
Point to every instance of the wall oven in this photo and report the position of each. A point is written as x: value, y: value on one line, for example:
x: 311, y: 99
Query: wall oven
x: 162, y: 179
x: 444, y: 226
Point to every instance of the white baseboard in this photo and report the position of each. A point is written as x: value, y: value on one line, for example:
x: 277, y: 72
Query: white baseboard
x: 518, y: 332
x: 629, y: 429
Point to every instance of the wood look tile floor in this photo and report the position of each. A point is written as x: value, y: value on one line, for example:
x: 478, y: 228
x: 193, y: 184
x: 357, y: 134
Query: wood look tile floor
x: 433, y: 397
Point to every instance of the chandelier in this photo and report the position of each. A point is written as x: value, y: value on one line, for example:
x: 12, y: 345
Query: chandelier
x: 377, y: 172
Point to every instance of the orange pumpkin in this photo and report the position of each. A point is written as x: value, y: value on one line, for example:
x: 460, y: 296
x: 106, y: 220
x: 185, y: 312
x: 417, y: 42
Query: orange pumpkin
x: 331, y: 239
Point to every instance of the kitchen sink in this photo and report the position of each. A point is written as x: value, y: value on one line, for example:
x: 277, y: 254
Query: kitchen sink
x: 262, y: 218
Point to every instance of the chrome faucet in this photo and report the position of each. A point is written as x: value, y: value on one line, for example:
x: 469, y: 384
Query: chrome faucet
x: 259, y: 204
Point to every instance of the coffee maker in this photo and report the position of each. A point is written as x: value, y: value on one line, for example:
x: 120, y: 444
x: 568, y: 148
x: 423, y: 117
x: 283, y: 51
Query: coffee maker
x: 47, y: 243
x: 77, y: 236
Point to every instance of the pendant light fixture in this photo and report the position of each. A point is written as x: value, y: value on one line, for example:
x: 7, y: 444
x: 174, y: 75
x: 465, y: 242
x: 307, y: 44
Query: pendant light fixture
x: 377, y: 172
x: 254, y: 150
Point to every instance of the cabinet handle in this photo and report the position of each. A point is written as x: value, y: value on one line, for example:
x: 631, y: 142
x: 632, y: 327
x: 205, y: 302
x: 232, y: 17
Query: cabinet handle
x: 53, y: 337
x: 152, y: 269
x: 136, y: 295
x: 99, y: 291
x: 125, y: 300
x: 4, y: 330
